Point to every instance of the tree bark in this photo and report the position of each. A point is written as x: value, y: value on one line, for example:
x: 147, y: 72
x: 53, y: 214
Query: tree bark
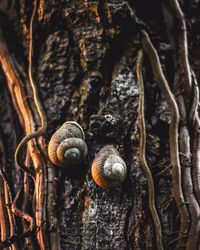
x: 78, y: 61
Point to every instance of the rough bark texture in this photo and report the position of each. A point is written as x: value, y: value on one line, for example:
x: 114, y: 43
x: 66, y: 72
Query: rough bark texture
x: 84, y: 66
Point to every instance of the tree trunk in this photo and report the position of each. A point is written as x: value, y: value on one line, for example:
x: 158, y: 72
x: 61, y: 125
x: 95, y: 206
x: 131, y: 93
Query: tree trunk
x: 127, y: 73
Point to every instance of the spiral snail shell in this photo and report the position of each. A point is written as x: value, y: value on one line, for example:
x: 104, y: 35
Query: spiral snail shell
x: 108, y: 168
x: 67, y: 147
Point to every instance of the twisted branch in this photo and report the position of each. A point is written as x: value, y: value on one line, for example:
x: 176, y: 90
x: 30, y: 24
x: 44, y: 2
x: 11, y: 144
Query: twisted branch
x: 174, y: 115
x: 187, y: 87
x: 38, y: 104
x: 26, y: 196
x: 8, y: 225
x: 18, y: 95
x: 148, y: 174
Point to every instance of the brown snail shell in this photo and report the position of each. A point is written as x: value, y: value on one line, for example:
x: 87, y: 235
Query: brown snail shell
x: 67, y: 147
x: 108, y: 168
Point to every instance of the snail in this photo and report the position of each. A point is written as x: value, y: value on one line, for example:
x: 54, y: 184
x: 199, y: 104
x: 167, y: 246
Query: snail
x: 108, y: 168
x: 67, y: 147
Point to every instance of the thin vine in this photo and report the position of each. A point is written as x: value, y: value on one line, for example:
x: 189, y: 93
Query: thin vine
x: 174, y: 121
x: 146, y: 169
x: 39, y: 107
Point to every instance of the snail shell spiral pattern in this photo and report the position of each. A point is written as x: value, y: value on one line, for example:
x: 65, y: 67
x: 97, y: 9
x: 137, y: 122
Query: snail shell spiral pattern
x: 108, y: 168
x: 67, y: 147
